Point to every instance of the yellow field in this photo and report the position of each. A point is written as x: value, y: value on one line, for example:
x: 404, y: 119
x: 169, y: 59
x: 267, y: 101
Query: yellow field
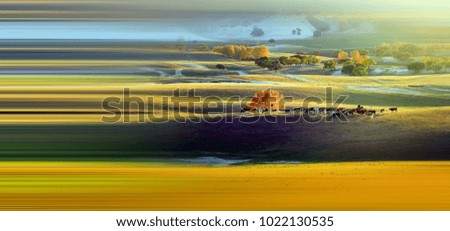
x: 157, y: 186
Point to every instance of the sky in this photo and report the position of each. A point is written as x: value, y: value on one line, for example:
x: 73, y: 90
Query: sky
x: 154, y: 9
x: 141, y: 19
x: 300, y: 5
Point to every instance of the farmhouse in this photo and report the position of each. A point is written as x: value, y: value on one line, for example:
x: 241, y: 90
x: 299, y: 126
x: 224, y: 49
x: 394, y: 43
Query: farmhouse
x: 267, y: 100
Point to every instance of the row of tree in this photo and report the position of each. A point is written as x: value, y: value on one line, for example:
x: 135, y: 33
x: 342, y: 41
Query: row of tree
x: 437, y: 64
x: 298, y: 60
x: 242, y: 52
x: 266, y: 62
x: 401, y: 51
x: 277, y: 64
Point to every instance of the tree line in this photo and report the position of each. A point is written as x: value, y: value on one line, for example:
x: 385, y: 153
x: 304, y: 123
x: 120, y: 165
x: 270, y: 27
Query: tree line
x: 242, y: 52
x: 277, y: 64
x: 400, y: 51
x: 430, y: 63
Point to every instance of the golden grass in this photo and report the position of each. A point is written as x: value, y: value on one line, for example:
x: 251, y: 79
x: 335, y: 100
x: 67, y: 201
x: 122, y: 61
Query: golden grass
x: 145, y: 186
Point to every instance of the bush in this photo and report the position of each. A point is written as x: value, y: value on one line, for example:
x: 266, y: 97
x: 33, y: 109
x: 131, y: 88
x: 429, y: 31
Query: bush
x: 311, y: 60
x: 436, y: 63
x: 284, y: 60
x: 330, y: 64
x: 416, y: 66
x: 275, y: 66
x: 294, y: 61
x: 262, y: 62
x: 348, y: 68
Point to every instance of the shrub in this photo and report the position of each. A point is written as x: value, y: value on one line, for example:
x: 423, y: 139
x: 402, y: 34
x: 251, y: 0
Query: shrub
x: 330, y: 64
x: 416, y: 66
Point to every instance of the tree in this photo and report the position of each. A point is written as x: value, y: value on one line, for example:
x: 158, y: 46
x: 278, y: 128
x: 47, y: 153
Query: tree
x: 409, y: 48
x: 330, y: 64
x: 314, y: 59
x: 360, y: 59
x: 202, y: 47
x: 383, y: 50
x: 244, y: 54
x: 257, y: 32
x: 229, y: 51
x: 360, y: 71
x: 404, y: 56
x: 255, y: 52
x: 294, y: 32
x: 263, y: 62
x: 360, y: 65
x: 336, y: 52
x: 369, y: 62
x: 342, y: 55
x: 398, y: 50
x: 310, y: 60
x: 294, y: 61
x: 348, y: 68
x: 355, y: 55
x: 416, y: 66
x: 436, y: 63
x: 264, y: 51
x: 275, y: 66
x: 317, y: 33
x: 283, y: 60
x: 364, y: 52
x: 272, y: 41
